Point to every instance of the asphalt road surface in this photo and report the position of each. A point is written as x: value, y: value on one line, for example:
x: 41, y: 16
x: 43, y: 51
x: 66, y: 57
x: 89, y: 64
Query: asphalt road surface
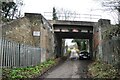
x: 70, y: 69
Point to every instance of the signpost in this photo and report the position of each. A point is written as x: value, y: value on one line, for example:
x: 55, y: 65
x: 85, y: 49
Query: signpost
x: 36, y: 33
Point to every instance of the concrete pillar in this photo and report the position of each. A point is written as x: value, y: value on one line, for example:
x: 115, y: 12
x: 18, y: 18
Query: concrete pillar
x: 91, y: 46
x: 102, y: 25
x: 88, y: 46
x: 88, y: 31
x: 59, y: 46
x: 56, y: 46
x: 104, y: 22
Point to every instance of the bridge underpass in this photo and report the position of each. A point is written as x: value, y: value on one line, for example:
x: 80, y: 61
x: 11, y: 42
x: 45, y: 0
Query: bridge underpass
x: 72, y: 30
x: 67, y: 68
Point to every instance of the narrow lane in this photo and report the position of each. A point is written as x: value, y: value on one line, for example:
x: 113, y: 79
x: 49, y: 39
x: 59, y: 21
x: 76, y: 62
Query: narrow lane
x: 70, y: 69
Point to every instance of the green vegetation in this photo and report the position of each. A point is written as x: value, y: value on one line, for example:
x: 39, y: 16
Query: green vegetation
x: 27, y: 72
x: 81, y: 43
x: 54, y: 14
x: 10, y: 10
x: 111, y: 32
x: 103, y: 70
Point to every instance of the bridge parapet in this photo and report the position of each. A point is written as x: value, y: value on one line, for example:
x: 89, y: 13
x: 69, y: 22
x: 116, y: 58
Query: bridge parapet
x: 65, y: 22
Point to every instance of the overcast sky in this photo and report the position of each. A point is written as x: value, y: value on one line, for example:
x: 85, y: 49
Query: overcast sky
x: 47, y: 5
x: 79, y: 6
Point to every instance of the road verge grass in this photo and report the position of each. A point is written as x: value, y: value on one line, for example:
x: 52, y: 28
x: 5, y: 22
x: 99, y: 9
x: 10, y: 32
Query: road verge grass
x: 99, y: 69
x: 28, y: 72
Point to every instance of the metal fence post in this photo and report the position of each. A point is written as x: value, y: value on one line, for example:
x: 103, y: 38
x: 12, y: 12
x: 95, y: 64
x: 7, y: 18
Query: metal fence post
x: 18, y: 55
x: 1, y: 58
x: 1, y: 53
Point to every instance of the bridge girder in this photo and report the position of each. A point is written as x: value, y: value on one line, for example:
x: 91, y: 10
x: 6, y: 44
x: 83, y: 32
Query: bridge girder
x: 78, y: 27
x: 75, y: 35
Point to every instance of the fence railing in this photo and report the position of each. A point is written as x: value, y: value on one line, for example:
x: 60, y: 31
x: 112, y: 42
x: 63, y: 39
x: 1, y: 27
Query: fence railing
x: 73, y: 16
x: 14, y: 54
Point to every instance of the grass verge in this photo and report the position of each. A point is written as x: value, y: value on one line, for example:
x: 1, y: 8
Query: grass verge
x: 28, y: 72
x: 99, y: 69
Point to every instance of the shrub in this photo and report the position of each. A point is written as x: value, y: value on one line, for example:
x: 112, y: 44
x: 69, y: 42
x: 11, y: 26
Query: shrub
x: 99, y: 69
x: 27, y: 72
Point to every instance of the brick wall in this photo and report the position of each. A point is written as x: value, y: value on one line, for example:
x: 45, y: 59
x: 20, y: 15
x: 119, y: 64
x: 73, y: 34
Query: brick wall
x: 46, y: 36
x: 22, y: 31
x: 19, y: 31
x: 108, y: 42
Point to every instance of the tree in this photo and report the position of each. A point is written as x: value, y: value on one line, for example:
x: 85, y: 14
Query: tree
x: 78, y: 41
x: 6, y: 7
x: 63, y: 14
x: 81, y: 43
x: 66, y: 14
x: 112, y: 5
x: 54, y: 14
x: 10, y: 10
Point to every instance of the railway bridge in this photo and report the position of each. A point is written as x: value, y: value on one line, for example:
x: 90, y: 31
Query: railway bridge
x: 72, y: 30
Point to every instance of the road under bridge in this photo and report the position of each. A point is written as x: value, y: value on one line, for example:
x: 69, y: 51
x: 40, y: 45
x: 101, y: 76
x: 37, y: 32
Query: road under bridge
x: 76, y: 69
x: 72, y: 30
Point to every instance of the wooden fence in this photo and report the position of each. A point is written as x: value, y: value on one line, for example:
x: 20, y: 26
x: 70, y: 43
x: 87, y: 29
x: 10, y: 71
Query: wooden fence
x: 14, y: 54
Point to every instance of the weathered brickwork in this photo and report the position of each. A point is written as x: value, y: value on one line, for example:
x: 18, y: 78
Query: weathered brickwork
x: 19, y: 31
x: 33, y: 29
x: 107, y: 42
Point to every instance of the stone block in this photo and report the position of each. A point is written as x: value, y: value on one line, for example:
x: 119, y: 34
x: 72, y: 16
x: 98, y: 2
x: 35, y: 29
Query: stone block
x: 104, y: 22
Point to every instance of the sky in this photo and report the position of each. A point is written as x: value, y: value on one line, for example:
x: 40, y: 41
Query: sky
x: 79, y: 6
x: 47, y: 5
